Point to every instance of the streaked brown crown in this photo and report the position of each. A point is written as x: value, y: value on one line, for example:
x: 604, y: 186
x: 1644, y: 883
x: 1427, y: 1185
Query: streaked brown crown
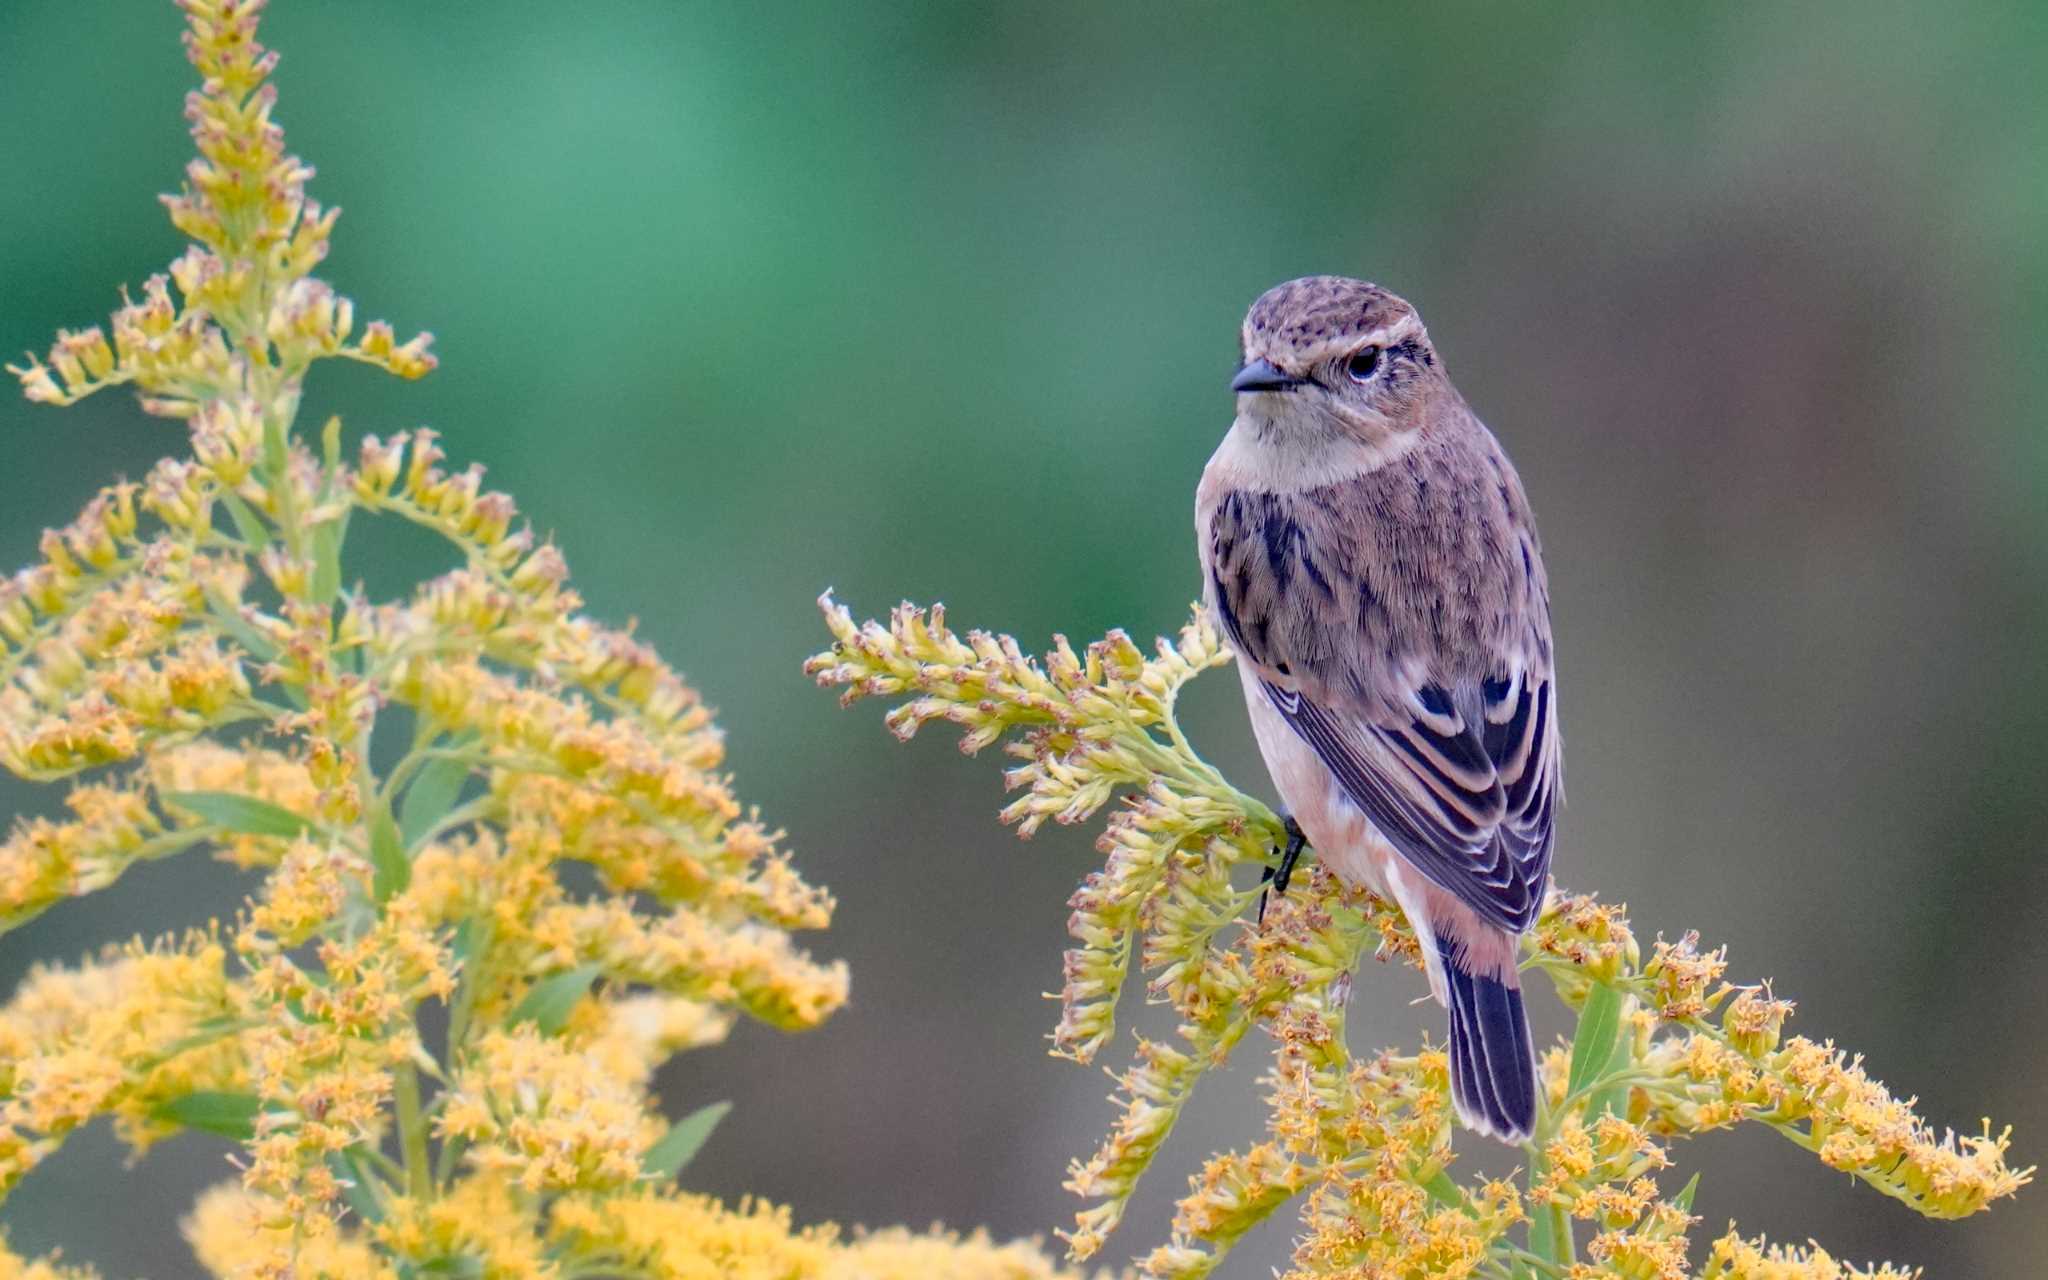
x: 1320, y: 311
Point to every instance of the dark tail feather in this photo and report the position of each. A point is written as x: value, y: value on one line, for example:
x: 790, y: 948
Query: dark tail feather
x: 1493, y: 1068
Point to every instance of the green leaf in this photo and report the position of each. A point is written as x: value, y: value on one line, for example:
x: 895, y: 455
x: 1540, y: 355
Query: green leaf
x: 237, y: 812
x: 1562, y: 1239
x: 1550, y: 1227
x: 231, y: 1115
x: 210, y: 1031
x: 432, y: 794
x: 276, y: 451
x: 462, y: 946
x: 1542, y: 1236
x: 679, y: 1145
x: 327, y: 539
x: 547, y: 1006
x: 1599, y: 1031
x: 1444, y: 1191
x: 247, y: 523
x: 254, y: 642
x: 358, y: 1184
x: 1683, y: 1200
x: 391, y: 869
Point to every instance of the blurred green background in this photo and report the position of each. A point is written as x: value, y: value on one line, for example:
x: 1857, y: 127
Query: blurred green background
x: 939, y: 300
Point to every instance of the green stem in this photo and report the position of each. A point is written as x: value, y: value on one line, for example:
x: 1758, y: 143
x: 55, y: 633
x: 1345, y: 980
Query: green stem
x: 1626, y: 1077
x: 444, y: 1164
x: 600, y: 1269
x: 171, y: 842
x: 412, y: 1133
x: 384, y: 1164
x: 1181, y: 743
x: 1545, y: 1265
x: 460, y: 815
x: 1550, y: 1226
x: 1180, y: 763
x: 254, y: 708
x: 458, y: 1017
x: 401, y: 773
x: 1446, y: 1192
x: 1561, y: 1234
x: 277, y: 475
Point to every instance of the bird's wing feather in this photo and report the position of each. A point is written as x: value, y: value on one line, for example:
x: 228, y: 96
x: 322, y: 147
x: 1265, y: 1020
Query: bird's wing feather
x: 1476, y: 825
x: 1460, y: 775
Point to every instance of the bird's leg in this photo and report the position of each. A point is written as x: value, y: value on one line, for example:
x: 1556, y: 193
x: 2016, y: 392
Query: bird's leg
x: 1297, y: 839
x: 1276, y: 878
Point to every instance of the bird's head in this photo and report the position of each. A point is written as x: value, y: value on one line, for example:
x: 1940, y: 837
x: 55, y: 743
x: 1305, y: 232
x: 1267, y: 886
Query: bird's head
x: 1327, y: 356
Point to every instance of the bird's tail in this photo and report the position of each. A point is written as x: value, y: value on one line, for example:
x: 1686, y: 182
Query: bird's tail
x: 1493, y: 1068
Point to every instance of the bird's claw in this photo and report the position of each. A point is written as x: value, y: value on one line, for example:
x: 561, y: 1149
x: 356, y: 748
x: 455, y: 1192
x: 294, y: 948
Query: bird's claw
x: 1275, y: 879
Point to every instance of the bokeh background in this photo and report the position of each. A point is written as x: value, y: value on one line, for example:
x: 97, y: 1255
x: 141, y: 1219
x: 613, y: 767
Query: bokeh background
x: 939, y: 300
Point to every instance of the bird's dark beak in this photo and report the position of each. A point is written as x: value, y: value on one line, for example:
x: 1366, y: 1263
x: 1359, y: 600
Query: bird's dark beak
x: 1263, y: 375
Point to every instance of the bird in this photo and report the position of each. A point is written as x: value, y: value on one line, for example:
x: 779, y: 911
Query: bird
x: 1368, y: 552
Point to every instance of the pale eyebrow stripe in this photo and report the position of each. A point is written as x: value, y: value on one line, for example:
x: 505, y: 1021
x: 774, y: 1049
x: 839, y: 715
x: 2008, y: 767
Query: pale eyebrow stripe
x: 1386, y: 337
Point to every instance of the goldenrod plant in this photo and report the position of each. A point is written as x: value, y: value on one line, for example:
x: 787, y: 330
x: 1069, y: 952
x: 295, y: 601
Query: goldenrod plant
x: 436, y: 1056
x: 1664, y: 1046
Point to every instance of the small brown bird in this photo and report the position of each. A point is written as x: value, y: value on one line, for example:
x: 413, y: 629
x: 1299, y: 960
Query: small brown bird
x: 1367, y: 549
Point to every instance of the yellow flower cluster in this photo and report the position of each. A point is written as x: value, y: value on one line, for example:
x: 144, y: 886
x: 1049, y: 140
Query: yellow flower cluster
x: 44, y: 862
x: 486, y: 1223
x: 1664, y: 1047
x: 96, y: 662
x: 117, y: 825
x: 1734, y: 1258
x: 252, y: 315
x: 192, y: 645
x: 548, y: 1115
x: 1827, y: 1103
x: 130, y: 1035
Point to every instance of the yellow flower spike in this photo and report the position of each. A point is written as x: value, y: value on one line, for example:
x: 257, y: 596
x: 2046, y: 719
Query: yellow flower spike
x: 1734, y: 1258
x: 1363, y: 1146
x: 549, y: 1116
x: 538, y: 736
x: 43, y: 862
x: 235, y: 1233
x: 121, y: 1036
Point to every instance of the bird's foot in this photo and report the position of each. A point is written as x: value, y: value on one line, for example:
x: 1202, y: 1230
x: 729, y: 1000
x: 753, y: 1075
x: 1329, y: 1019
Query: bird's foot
x: 1276, y: 878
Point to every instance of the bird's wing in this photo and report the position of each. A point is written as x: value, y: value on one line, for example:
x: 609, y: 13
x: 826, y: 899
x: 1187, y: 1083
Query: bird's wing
x: 1463, y: 779
x: 1471, y: 806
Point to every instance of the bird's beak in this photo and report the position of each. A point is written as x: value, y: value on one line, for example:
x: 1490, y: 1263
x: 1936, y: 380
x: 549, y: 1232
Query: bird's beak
x: 1263, y: 375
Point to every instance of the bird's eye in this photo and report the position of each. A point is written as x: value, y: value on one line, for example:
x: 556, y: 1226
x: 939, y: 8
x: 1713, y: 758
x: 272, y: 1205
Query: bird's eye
x: 1363, y: 363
